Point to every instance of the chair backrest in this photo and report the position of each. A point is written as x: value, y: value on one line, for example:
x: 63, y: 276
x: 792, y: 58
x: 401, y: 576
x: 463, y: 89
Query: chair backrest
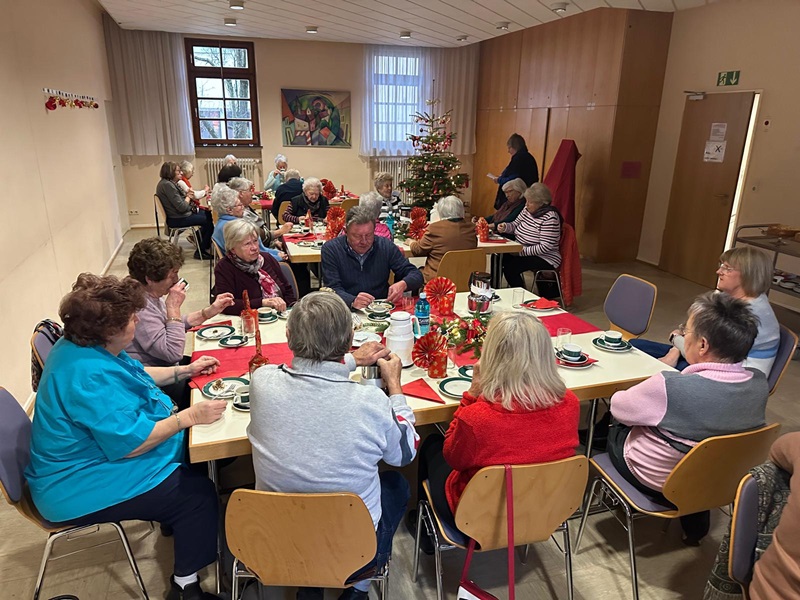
x: 301, y: 540
x: 545, y: 495
x: 15, y: 444
x: 282, y: 209
x: 458, y: 265
x: 161, y: 216
x: 708, y: 476
x: 348, y: 204
x: 45, y: 335
x: 629, y: 305
x: 289, y: 274
x: 786, y: 347
x: 744, y: 532
x: 218, y: 253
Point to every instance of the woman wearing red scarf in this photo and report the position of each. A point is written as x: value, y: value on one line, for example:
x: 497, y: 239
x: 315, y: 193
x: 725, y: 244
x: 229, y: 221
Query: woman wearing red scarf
x: 245, y: 267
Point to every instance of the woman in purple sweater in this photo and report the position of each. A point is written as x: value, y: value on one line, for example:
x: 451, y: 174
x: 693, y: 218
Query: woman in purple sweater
x: 245, y: 267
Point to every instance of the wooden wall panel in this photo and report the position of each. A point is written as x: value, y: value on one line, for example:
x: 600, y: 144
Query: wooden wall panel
x: 611, y: 25
x: 534, y: 82
x: 498, y: 76
x: 587, y: 30
x: 492, y: 130
x: 644, y: 58
x: 557, y: 131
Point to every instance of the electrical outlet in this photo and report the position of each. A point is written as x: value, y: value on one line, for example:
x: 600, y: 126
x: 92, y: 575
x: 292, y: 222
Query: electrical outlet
x: 133, y: 212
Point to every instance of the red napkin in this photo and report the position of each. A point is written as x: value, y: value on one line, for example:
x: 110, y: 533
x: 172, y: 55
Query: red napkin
x: 571, y: 322
x: 419, y: 388
x: 588, y: 362
x: 234, y: 362
x: 496, y: 240
x: 204, y: 325
x: 300, y: 237
x: 465, y: 359
x: 540, y: 303
x: 266, y: 202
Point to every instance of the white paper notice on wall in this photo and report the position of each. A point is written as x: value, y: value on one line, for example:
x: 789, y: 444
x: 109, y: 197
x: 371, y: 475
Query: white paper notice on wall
x: 715, y: 151
x: 718, y: 131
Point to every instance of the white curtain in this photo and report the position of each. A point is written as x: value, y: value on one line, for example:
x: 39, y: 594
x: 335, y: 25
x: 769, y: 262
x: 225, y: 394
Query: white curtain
x: 150, y: 91
x: 399, y: 82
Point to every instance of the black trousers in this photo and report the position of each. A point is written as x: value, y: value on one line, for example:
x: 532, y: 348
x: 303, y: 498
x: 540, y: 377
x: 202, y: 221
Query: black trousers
x: 200, y: 219
x: 185, y: 501
x: 695, y: 526
x: 433, y: 467
x: 514, y: 266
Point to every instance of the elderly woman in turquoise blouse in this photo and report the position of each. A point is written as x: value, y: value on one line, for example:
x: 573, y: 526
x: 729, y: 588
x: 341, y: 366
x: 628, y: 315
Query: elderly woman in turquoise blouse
x: 107, y: 444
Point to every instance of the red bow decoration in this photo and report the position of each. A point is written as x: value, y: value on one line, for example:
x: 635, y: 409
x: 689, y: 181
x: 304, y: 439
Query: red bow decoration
x: 482, y: 229
x: 417, y: 229
x: 418, y: 213
x: 441, y: 293
x: 328, y: 189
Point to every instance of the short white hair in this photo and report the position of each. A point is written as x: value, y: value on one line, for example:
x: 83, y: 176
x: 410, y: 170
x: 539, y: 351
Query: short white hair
x: 230, y: 159
x: 539, y: 194
x: 450, y: 207
x: 291, y: 174
x: 518, y: 185
x: 240, y: 184
x: 312, y: 182
x: 280, y: 158
x: 373, y: 202
x: 237, y: 231
x: 223, y: 199
x: 187, y: 168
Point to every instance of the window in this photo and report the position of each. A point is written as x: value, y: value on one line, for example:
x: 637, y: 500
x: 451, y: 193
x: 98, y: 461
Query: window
x: 222, y: 92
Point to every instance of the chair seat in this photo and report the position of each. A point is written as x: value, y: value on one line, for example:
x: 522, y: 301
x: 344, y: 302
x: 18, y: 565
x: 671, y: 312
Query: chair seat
x: 639, y: 500
x: 449, y: 532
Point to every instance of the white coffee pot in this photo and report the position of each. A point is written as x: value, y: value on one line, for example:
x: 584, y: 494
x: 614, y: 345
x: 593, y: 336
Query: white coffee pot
x: 401, y: 334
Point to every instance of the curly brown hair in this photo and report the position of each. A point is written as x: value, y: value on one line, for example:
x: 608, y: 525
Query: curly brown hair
x: 153, y: 258
x: 98, y: 308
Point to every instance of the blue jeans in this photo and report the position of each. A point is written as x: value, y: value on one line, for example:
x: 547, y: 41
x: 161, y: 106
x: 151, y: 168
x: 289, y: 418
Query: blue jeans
x: 657, y: 350
x: 395, y: 494
x: 201, y: 219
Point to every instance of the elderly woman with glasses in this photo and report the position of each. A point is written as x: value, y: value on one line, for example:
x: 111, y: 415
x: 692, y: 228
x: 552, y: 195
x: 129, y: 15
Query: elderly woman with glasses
x: 107, y: 445
x: 514, y: 191
x: 310, y: 201
x: 384, y: 185
x: 244, y: 187
x: 246, y: 267
x: 744, y: 273
x: 664, y: 417
x: 450, y: 232
x: 229, y: 206
x: 314, y: 430
x: 277, y: 176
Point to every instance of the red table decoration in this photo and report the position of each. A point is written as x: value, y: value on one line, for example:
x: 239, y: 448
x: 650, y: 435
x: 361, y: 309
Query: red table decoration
x: 430, y: 352
x: 482, y: 229
x: 441, y: 293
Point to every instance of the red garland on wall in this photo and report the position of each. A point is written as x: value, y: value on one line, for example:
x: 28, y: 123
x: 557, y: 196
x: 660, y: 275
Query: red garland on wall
x: 58, y: 99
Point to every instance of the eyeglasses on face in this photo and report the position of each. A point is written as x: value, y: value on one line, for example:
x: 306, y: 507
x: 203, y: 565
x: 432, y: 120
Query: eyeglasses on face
x: 682, y: 330
x: 726, y: 268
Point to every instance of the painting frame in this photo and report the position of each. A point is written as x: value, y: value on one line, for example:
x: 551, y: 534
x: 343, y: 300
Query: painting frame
x: 315, y: 118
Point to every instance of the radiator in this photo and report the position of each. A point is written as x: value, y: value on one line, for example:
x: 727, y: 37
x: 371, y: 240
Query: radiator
x: 397, y: 166
x: 251, y: 169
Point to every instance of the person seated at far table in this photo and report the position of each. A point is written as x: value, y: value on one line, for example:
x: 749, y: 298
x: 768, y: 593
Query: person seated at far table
x: 310, y: 200
x: 271, y: 239
x: 451, y: 232
x: 373, y: 202
x: 384, y: 185
x: 245, y: 267
x: 538, y: 229
x: 661, y: 419
x: 291, y: 187
x: 514, y: 191
x: 179, y: 211
x: 107, y: 445
x: 160, y: 335
x: 229, y: 170
x: 187, y: 171
x: 229, y: 207
x: 357, y: 265
x: 744, y: 273
x: 777, y: 573
x: 347, y: 428
x: 277, y: 177
x: 515, y: 412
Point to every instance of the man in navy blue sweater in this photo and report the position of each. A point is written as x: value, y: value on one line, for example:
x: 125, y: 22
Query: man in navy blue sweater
x: 356, y: 265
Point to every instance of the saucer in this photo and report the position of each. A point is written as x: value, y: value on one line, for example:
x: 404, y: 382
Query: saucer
x: 584, y: 357
x: 268, y: 319
x: 569, y: 365
x: 362, y: 337
x: 241, y: 406
x: 309, y: 244
x: 533, y: 308
x: 215, y: 332
x: 466, y: 371
x: 285, y: 314
x: 233, y: 341
x: 378, y: 317
x: 228, y: 391
x: 603, y: 345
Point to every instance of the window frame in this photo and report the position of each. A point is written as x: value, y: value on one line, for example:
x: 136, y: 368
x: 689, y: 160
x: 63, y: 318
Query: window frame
x: 193, y: 72
x: 408, y: 80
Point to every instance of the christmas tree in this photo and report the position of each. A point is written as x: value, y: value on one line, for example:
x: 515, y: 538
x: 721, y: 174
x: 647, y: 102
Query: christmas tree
x: 432, y: 167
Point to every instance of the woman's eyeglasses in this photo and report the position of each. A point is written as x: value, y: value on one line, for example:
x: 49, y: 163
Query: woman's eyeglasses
x: 682, y: 331
x: 725, y: 268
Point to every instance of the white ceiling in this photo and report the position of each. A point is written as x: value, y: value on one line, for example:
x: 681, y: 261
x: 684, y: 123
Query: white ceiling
x: 432, y: 22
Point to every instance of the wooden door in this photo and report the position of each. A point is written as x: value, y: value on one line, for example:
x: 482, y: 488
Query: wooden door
x: 702, y: 193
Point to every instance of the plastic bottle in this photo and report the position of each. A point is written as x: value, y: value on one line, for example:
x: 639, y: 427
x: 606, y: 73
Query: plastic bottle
x: 423, y: 313
x: 390, y: 224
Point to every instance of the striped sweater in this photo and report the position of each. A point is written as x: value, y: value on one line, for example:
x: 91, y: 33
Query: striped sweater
x: 539, y: 233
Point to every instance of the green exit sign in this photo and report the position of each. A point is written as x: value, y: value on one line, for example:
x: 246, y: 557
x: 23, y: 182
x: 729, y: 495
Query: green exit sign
x: 728, y: 78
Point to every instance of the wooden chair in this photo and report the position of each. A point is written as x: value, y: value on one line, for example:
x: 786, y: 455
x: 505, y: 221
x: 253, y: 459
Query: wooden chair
x: 707, y: 477
x: 348, y: 204
x: 458, y: 265
x: 15, y: 436
x: 286, y: 269
x: 545, y: 496
x: 282, y: 209
x: 300, y: 540
x: 744, y: 534
x: 786, y: 348
x: 629, y: 305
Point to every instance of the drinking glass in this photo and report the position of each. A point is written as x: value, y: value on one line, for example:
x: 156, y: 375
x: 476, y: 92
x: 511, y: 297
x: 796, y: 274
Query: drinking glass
x: 518, y: 297
x: 407, y: 303
x: 451, y: 356
x: 563, y: 336
x: 248, y: 325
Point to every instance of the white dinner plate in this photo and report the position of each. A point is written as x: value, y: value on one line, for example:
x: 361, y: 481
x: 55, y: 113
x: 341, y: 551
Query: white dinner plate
x: 454, y: 387
x: 215, y: 332
x: 362, y: 337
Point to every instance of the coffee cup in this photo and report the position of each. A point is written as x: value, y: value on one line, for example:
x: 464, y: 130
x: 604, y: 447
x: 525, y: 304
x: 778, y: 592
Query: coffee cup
x: 242, y: 394
x: 318, y: 243
x: 571, y: 352
x: 612, y: 338
x: 379, y: 308
x: 265, y: 313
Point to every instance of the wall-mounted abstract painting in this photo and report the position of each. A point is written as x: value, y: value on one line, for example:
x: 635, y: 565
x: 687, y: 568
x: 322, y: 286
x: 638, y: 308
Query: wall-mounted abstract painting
x: 313, y: 118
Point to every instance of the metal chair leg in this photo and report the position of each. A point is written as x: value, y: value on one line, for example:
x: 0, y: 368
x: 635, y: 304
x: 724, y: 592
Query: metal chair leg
x: 131, y: 560
x: 48, y: 548
x: 631, y: 550
x: 415, y: 570
x: 590, y: 430
x: 523, y: 554
x: 585, y: 516
x: 235, y: 580
x: 568, y: 560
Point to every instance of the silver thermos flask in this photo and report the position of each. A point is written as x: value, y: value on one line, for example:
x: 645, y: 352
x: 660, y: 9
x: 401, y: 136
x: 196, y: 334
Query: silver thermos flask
x: 371, y: 375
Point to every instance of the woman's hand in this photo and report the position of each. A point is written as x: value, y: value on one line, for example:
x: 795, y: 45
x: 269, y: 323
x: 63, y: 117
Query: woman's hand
x: 175, y: 297
x: 205, y: 365
x: 284, y: 256
x: 278, y: 304
x: 501, y: 227
x: 474, y: 219
x: 475, y: 389
x: 671, y: 358
x: 205, y: 412
x: 283, y: 229
x: 276, y: 172
x: 391, y: 368
x: 222, y: 302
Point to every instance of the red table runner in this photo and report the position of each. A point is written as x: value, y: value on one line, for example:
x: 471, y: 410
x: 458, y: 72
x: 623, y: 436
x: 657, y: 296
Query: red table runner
x: 266, y: 203
x: 571, y: 322
x: 234, y: 362
x: 300, y: 237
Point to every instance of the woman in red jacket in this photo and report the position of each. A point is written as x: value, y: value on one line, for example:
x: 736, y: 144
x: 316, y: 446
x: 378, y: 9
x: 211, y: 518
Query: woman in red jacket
x: 516, y: 412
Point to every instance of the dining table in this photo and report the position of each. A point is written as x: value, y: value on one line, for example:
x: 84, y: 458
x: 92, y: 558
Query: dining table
x: 612, y: 372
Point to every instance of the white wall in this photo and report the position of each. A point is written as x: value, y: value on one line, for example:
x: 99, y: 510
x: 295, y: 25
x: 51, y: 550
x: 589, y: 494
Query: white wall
x: 61, y: 210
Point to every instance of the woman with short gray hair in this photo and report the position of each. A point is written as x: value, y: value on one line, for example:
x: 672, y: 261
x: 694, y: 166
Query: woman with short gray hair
x: 187, y: 169
x: 247, y: 268
x: 514, y: 191
x: 384, y: 185
x: 373, y: 202
x: 310, y: 201
x: 451, y: 232
x: 270, y: 239
x: 346, y: 428
x: 277, y: 176
x: 538, y: 229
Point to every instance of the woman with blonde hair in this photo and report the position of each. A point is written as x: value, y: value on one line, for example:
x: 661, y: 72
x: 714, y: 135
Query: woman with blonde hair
x: 515, y: 412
